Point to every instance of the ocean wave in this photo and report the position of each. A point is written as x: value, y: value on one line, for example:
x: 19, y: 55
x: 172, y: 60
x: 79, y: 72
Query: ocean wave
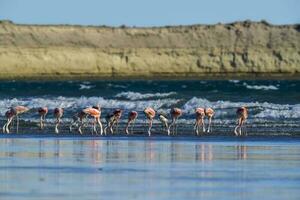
x: 233, y: 81
x: 223, y: 109
x: 73, y: 103
x: 227, y: 109
x: 260, y: 87
x: 86, y: 86
x: 139, y: 96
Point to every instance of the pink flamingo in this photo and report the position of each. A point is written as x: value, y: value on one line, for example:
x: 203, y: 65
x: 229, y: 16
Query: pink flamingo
x: 112, y: 119
x: 200, y: 114
x: 78, y: 118
x: 150, y: 114
x: 209, y: 112
x: 131, y: 119
x: 175, y: 114
x: 96, y: 113
x: 58, y: 113
x: 242, y: 114
x: 42, y: 112
x: 18, y: 110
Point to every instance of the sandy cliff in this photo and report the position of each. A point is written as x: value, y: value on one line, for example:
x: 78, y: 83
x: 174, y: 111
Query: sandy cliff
x: 241, y: 48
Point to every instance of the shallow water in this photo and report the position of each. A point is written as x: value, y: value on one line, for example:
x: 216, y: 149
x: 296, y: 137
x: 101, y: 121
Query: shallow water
x: 273, y: 104
x: 156, y: 168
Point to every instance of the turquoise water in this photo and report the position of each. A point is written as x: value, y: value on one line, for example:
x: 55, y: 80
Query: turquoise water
x: 157, y: 168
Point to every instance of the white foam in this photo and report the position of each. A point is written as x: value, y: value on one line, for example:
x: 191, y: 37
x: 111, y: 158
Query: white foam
x: 85, y: 86
x: 74, y: 103
x: 227, y: 109
x: 138, y: 96
x: 234, y: 81
x: 260, y: 87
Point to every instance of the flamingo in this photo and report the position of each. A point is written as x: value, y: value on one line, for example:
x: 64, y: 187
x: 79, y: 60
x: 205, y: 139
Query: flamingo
x: 164, y: 120
x: 58, y: 113
x: 209, y: 112
x: 175, y: 114
x: 131, y: 119
x: 78, y: 118
x: 117, y: 115
x: 96, y: 113
x: 42, y: 112
x: 9, y: 115
x: 150, y: 114
x: 242, y: 114
x: 17, y: 111
x: 200, y: 114
x: 112, y: 119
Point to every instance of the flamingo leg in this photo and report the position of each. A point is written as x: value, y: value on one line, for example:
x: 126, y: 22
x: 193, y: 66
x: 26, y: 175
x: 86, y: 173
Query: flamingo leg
x: 196, y: 127
x: 117, y: 125
x: 73, y: 123
x: 6, y: 125
x: 44, y: 120
x: 150, y: 126
x: 176, y: 125
x: 209, y: 124
x: 100, y: 126
x: 238, y: 126
x: 126, y: 128
x: 79, y: 128
x: 132, y: 125
x: 56, y: 125
x: 111, y: 127
x: 94, y: 126
x: 17, y: 123
x: 167, y: 128
x: 203, y: 125
x: 173, y: 127
x: 41, y: 122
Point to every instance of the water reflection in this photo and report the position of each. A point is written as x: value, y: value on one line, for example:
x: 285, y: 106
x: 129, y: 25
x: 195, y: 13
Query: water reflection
x: 203, y: 152
x: 105, y: 151
x: 241, y: 152
x: 118, y: 169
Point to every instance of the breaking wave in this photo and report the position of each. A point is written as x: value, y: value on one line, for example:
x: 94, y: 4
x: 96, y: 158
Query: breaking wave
x: 138, y: 96
x: 260, y: 87
x: 226, y: 109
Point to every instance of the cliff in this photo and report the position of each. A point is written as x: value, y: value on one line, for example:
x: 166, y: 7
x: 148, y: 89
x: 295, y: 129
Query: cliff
x: 65, y: 51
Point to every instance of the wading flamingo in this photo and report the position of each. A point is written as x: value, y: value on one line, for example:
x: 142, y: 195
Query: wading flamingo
x: 112, y: 119
x: 78, y: 118
x: 42, y: 112
x: 150, y: 114
x: 164, y: 121
x: 209, y: 112
x: 242, y: 114
x: 200, y: 114
x: 18, y: 110
x: 58, y: 113
x: 96, y: 114
x: 131, y: 119
x: 9, y: 115
x: 175, y: 114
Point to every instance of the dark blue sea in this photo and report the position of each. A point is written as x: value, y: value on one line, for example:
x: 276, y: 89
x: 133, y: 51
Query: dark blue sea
x: 39, y: 164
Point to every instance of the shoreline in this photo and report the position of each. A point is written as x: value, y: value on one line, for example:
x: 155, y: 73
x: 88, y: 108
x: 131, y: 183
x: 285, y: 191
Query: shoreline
x: 169, y: 77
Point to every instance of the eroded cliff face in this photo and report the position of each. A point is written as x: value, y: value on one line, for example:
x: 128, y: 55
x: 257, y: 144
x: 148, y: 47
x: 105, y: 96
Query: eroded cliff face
x: 31, y: 51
